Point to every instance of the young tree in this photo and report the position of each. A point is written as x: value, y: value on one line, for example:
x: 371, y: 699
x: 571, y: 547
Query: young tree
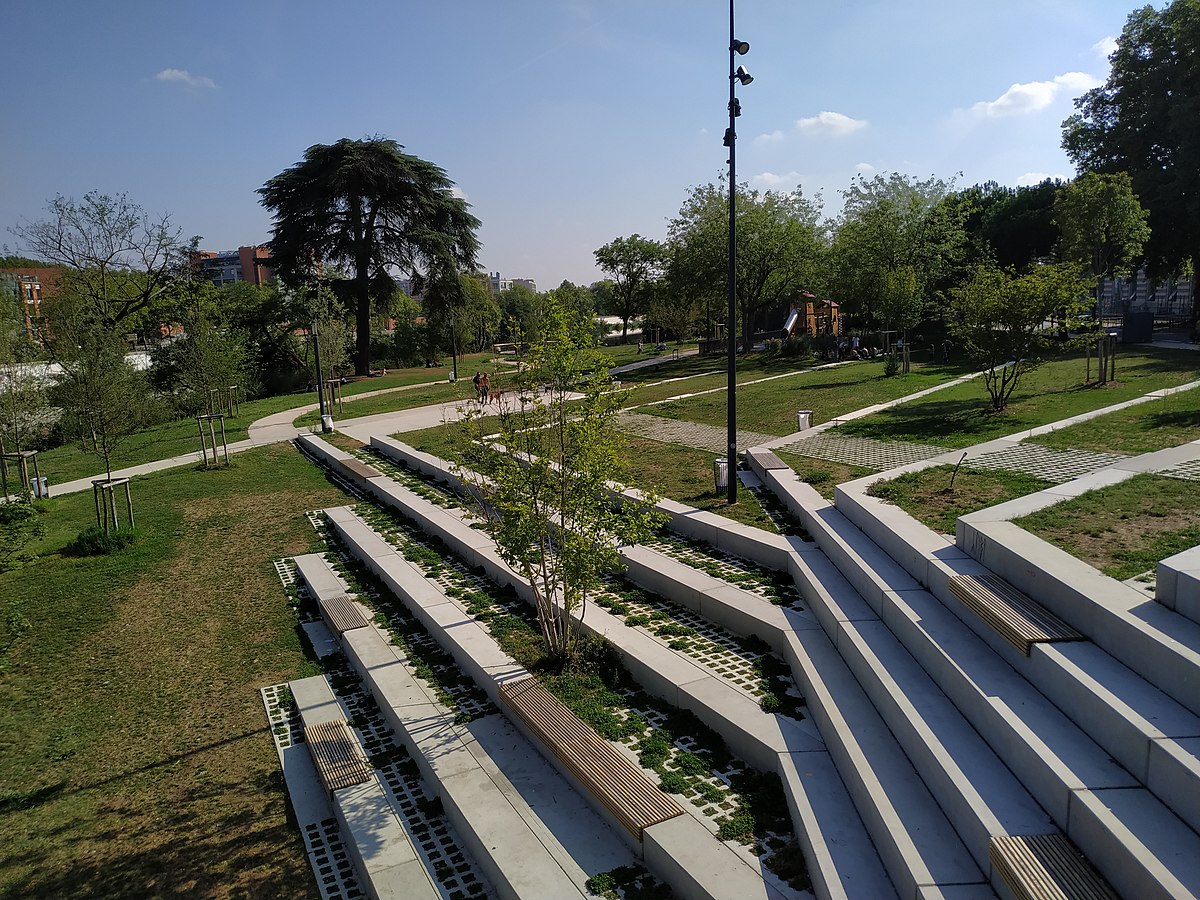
x: 103, y: 398
x: 208, y: 357
x: 633, y: 264
x: 118, y: 260
x: 368, y: 207
x: 543, y: 491
x: 1002, y: 320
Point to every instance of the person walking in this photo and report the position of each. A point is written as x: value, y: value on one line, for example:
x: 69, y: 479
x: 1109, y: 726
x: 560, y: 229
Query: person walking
x: 485, y: 388
x: 478, y: 382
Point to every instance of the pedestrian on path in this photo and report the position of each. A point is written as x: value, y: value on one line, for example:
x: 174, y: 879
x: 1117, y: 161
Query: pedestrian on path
x: 478, y: 382
x: 485, y: 388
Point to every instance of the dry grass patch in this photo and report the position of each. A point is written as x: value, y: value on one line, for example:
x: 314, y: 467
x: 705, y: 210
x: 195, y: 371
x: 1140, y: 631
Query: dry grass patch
x: 927, y: 494
x: 145, y: 767
x: 1124, y: 529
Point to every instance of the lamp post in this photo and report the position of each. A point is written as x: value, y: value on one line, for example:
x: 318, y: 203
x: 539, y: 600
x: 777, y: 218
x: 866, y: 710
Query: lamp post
x: 736, y: 76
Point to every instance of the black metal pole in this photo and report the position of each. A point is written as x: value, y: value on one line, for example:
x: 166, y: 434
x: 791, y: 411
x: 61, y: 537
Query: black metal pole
x: 731, y: 439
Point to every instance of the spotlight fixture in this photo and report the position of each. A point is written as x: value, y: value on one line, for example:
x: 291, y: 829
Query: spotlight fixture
x: 735, y: 107
x: 743, y: 76
x: 741, y: 48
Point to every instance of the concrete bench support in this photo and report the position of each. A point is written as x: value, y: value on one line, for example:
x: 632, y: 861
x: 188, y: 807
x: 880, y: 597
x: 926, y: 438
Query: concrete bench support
x: 622, y: 789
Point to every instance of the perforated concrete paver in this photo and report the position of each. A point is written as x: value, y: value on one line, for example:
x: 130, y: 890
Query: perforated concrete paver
x: 865, y: 452
x: 689, y: 434
x: 1052, y: 465
x: 1190, y: 471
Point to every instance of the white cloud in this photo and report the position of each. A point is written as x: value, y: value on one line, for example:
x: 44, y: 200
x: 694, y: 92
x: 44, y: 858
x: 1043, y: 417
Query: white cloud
x: 769, y: 181
x: 865, y: 169
x: 773, y: 137
x: 834, y: 124
x: 1029, y: 179
x: 183, y: 75
x: 1106, y: 46
x: 1033, y: 96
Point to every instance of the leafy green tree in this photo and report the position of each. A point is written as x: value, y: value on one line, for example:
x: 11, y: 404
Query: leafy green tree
x: 117, y: 259
x: 367, y: 206
x: 23, y: 406
x: 1102, y: 222
x: 103, y: 398
x: 544, y: 492
x: 780, y: 248
x: 895, y: 228
x: 1142, y: 120
x: 633, y: 265
x: 521, y: 313
x: 209, y: 356
x: 1001, y: 320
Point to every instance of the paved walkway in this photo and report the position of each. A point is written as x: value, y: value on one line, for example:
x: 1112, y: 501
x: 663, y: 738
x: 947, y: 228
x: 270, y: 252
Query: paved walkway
x: 878, y: 455
x: 689, y: 434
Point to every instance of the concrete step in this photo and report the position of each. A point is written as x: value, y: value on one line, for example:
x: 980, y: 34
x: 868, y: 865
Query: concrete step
x: 388, y: 866
x: 1052, y: 757
x: 1146, y: 731
x: 1158, y: 643
x: 1178, y: 583
x: 918, y: 845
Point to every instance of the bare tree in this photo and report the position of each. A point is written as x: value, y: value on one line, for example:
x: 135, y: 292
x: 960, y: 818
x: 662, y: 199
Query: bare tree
x: 117, y: 259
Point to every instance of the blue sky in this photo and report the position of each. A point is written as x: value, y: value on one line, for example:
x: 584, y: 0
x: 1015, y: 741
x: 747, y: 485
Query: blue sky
x: 565, y: 124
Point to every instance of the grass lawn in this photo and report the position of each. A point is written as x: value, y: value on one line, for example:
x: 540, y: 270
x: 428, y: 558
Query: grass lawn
x: 135, y: 759
x: 1150, y: 426
x: 770, y: 407
x: 169, y: 439
x: 961, y: 416
x: 926, y: 495
x: 681, y: 473
x: 686, y: 474
x: 1123, y: 529
x: 822, y: 474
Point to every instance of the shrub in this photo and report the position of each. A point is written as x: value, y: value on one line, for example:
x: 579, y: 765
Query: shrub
x: 93, y: 541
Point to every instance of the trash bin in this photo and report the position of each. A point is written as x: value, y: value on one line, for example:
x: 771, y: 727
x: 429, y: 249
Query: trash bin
x: 326, y: 424
x: 44, y: 484
x: 803, y: 419
x: 721, y: 473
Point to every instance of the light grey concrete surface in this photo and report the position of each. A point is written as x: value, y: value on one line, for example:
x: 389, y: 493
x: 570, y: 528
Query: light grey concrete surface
x: 682, y: 847
x: 1178, y: 584
x: 383, y: 854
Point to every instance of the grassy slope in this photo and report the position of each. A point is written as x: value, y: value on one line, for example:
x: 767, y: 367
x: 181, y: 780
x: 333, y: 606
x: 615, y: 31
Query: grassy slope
x: 960, y: 416
x: 770, y: 407
x: 135, y: 758
x: 1142, y: 428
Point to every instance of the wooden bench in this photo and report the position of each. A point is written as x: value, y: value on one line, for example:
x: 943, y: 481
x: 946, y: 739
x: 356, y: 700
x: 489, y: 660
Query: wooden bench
x: 766, y: 458
x: 342, y: 613
x: 337, y: 756
x: 1046, y: 867
x: 360, y: 468
x: 620, y: 786
x: 1017, y: 618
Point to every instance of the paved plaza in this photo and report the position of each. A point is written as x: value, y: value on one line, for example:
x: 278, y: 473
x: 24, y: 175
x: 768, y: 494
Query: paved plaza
x: 865, y: 452
x: 1056, y: 466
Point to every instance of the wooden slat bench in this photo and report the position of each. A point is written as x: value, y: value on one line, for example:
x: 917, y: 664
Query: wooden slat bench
x: 336, y: 755
x: 342, y: 613
x: 360, y: 468
x: 1046, y: 867
x: 620, y: 786
x: 1017, y: 618
x: 766, y: 459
